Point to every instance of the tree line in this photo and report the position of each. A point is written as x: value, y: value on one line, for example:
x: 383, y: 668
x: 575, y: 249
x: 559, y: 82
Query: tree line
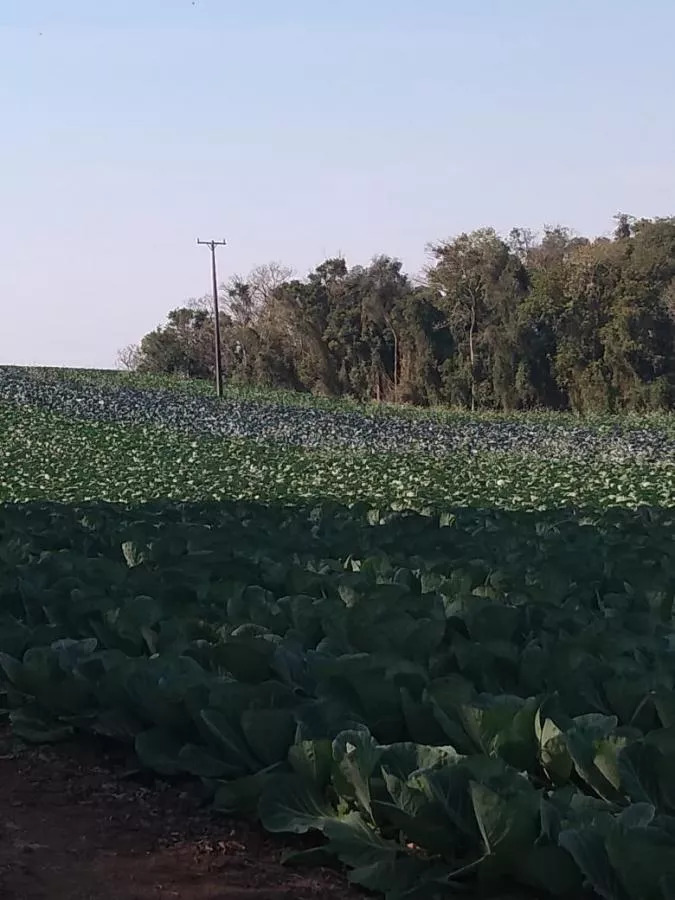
x: 526, y: 321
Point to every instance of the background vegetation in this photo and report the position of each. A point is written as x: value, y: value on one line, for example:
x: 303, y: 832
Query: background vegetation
x: 555, y: 321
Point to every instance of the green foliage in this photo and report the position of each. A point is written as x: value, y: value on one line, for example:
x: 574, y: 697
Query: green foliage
x: 558, y: 322
x: 457, y: 669
x: 532, y: 649
x: 49, y: 456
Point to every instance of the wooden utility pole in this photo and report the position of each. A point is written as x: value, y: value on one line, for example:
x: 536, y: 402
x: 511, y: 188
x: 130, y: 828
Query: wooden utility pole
x: 219, y: 360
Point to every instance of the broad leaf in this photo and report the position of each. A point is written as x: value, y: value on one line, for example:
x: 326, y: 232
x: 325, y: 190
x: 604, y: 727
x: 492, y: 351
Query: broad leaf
x: 357, y: 755
x: 313, y: 761
x: 290, y: 803
x: 269, y: 733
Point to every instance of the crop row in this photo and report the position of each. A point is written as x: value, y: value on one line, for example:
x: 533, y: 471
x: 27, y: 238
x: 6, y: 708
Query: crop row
x: 459, y: 700
x: 46, y: 456
x: 316, y: 427
x: 626, y: 421
x: 463, y: 699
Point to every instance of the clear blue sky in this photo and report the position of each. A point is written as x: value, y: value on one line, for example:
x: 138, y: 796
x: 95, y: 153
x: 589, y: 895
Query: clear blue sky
x: 299, y: 129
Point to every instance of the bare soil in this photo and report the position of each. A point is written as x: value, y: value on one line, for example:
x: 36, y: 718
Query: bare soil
x: 77, y: 822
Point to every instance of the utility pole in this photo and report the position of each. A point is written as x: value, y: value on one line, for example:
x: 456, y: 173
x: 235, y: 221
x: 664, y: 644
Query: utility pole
x: 219, y: 360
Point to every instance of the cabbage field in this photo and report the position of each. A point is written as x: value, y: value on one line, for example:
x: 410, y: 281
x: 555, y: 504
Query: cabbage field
x: 442, y: 644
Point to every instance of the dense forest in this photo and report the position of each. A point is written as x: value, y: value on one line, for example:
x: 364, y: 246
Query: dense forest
x: 527, y: 321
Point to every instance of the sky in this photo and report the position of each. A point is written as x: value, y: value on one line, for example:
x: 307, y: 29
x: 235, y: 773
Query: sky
x: 301, y: 129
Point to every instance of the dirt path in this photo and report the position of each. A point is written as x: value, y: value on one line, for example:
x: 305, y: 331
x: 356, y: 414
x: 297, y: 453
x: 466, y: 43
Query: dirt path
x: 76, y: 825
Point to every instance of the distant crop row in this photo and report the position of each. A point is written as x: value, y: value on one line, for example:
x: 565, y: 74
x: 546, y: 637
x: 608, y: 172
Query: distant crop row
x: 661, y: 422
x: 44, y: 455
x: 318, y: 427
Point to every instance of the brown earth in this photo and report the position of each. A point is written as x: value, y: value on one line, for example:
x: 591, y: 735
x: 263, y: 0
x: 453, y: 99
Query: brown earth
x: 77, y: 823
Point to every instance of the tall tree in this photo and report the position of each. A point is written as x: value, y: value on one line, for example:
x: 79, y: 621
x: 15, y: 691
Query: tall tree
x: 480, y: 283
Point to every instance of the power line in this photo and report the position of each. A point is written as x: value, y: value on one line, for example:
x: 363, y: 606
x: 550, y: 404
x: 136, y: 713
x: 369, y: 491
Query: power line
x: 219, y: 361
